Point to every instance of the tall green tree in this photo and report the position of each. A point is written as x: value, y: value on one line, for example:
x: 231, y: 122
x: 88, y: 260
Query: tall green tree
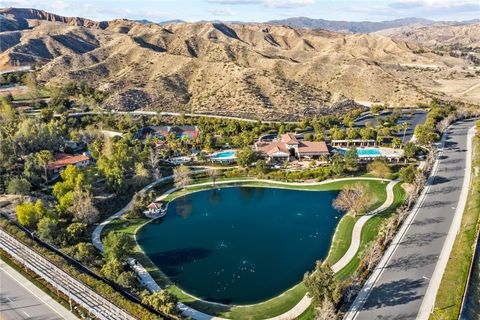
x: 162, y: 301
x: 246, y: 157
x: 321, y: 283
x: 351, y: 159
x: 118, y: 245
x: 26, y: 214
x: 408, y: 174
x: 48, y: 229
x: 19, y: 186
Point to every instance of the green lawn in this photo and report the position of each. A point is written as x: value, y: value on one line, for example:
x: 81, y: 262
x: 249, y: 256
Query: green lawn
x: 308, y: 314
x: 450, y: 293
x: 342, y: 239
x: 370, y: 231
x: 290, y: 298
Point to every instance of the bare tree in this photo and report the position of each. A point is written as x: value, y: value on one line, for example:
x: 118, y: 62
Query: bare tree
x: 402, y: 213
x: 326, y: 310
x: 388, y: 230
x: 353, y: 199
x: 82, y: 208
x: 213, y: 174
x: 153, y: 161
x: 181, y: 176
x: 353, y: 287
x: 371, y: 255
x: 142, y: 175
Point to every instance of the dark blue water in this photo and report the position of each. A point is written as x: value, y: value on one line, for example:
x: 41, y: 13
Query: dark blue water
x: 241, y: 244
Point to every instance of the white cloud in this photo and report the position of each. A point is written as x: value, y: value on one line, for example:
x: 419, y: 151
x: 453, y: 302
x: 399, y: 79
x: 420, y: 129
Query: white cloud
x: 92, y: 10
x: 435, y: 4
x: 223, y: 12
x: 267, y: 3
x: 288, y: 3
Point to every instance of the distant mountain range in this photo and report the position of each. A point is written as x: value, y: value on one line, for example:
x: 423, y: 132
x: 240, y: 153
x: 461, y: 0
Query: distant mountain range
x: 339, y: 26
x: 361, y: 26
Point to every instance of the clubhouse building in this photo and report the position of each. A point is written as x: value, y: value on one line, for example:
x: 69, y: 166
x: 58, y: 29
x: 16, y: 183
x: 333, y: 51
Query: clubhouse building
x: 288, y: 147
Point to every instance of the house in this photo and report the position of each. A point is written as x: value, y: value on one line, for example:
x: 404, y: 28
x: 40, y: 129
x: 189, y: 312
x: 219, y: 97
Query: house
x: 281, y: 150
x: 62, y: 160
x: 154, y: 208
x: 72, y: 146
x: 190, y: 132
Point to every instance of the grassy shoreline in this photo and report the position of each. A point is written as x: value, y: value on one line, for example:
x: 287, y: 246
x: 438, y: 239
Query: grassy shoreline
x: 454, y: 281
x: 288, y: 299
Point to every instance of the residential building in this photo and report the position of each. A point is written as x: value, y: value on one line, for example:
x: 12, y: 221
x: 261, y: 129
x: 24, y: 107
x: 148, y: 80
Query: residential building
x: 288, y: 146
x: 62, y: 160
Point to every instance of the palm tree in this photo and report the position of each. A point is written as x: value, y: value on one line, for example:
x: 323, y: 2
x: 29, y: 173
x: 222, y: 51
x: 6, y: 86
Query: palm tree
x: 405, y: 126
x: 396, y: 143
x: 379, y: 140
x: 43, y: 158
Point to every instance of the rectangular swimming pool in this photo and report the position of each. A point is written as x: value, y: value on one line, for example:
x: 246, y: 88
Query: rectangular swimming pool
x: 367, y: 152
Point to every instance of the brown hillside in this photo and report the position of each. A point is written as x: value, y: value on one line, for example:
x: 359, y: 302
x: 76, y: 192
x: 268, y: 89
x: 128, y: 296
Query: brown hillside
x: 438, y: 35
x: 254, y: 70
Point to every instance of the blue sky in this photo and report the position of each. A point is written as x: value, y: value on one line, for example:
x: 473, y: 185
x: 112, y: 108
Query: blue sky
x: 257, y: 10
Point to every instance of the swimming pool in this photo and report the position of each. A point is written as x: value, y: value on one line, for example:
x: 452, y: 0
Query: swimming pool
x: 367, y: 152
x: 224, y: 155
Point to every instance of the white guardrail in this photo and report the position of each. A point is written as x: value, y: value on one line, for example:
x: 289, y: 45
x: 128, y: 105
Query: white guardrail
x: 61, y: 281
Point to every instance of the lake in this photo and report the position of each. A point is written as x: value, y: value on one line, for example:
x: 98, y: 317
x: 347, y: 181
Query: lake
x: 241, y: 245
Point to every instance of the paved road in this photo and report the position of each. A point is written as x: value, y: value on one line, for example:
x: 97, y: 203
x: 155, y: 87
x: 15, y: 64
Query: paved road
x: 16, y: 302
x: 413, y: 117
x: 400, y: 288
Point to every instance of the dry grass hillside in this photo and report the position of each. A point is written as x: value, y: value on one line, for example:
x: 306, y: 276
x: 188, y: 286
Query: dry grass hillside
x: 438, y: 35
x: 254, y: 70
x: 461, y: 82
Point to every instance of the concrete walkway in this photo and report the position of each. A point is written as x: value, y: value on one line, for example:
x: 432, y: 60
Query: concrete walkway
x: 305, y: 302
x: 357, y: 229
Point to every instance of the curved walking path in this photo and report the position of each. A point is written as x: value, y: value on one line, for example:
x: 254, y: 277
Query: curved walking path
x: 305, y: 302
x: 357, y: 229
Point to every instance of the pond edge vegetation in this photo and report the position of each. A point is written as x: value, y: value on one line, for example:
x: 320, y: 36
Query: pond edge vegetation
x: 292, y: 296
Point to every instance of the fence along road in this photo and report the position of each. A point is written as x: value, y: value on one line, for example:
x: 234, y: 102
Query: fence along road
x: 60, y: 280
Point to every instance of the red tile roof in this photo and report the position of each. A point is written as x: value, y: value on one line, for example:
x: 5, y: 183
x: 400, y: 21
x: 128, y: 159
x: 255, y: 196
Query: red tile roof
x: 270, y: 148
x: 313, y: 147
x: 64, y: 159
x: 289, y: 138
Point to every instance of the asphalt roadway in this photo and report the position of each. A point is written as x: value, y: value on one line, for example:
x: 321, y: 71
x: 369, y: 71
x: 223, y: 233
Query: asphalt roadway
x: 398, y: 292
x: 413, y: 117
x: 17, y: 303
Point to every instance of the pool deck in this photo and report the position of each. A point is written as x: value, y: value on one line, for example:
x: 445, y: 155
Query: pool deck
x: 390, y: 153
x: 305, y: 302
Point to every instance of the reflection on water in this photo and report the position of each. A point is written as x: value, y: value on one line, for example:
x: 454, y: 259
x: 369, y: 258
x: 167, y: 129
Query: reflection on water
x: 246, y: 193
x: 214, y: 197
x: 183, y: 207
